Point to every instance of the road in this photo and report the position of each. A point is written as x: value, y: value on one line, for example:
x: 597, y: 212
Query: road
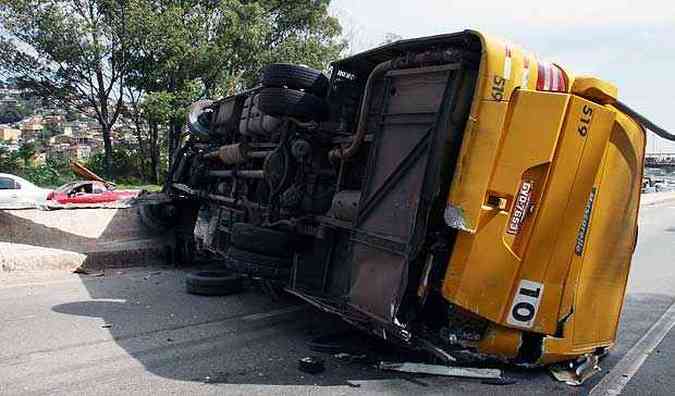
x: 136, y: 332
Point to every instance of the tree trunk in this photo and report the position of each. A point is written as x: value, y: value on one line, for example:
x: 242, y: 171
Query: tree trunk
x: 107, y: 146
x: 175, y: 129
x: 154, y: 151
x: 143, y: 151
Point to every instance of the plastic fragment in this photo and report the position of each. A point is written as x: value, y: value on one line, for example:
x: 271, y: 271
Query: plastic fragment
x: 434, y: 369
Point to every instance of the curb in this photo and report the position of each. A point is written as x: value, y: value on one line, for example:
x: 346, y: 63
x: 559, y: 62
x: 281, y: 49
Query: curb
x: 124, y: 254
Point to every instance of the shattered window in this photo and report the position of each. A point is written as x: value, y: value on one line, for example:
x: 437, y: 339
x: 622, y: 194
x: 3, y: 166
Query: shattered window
x: 98, y: 188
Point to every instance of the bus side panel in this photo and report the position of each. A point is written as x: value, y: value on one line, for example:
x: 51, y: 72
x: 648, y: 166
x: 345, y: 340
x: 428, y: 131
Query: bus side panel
x: 611, y: 238
x: 484, y: 267
x: 596, y: 285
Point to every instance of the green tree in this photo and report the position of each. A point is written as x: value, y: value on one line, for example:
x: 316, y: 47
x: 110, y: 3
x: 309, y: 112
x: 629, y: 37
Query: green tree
x: 126, y: 166
x: 26, y: 152
x: 8, y: 160
x: 10, y: 113
x: 158, y: 110
x: 219, y: 46
x: 149, y: 116
x: 52, y: 174
x: 70, y: 51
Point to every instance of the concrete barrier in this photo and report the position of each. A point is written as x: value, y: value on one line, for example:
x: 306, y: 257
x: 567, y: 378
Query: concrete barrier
x: 32, y: 240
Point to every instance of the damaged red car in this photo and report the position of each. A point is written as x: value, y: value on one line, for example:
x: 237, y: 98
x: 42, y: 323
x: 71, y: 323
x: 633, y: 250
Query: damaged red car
x: 88, y: 192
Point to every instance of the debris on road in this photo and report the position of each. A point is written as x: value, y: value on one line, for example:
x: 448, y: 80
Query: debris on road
x: 499, y: 381
x: 152, y: 274
x: 311, y: 365
x: 435, y: 369
x: 348, y: 357
x: 576, y: 372
x: 82, y: 271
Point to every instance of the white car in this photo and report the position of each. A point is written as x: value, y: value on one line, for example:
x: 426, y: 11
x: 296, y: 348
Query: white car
x: 19, y: 193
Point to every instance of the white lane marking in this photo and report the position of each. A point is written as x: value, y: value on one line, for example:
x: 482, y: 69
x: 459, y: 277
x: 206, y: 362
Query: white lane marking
x: 271, y: 314
x: 614, y: 382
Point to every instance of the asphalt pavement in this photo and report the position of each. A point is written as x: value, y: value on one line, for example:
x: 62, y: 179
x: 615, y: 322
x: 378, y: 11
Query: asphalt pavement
x: 137, y: 332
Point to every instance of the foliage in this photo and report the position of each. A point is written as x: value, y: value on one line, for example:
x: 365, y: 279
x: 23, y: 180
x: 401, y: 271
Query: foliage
x: 136, y: 184
x: 26, y: 152
x: 158, y: 107
x: 24, y: 106
x: 9, y: 161
x: 51, y: 174
x: 161, y: 55
x: 70, y: 51
x: 125, y: 165
x: 251, y: 34
x: 11, y: 113
x: 219, y: 46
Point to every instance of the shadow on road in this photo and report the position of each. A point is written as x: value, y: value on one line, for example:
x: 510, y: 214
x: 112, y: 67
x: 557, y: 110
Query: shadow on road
x: 220, y: 340
x: 240, y: 339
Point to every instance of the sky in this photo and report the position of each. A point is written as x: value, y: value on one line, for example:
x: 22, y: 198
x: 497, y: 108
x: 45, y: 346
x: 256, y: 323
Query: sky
x: 629, y: 43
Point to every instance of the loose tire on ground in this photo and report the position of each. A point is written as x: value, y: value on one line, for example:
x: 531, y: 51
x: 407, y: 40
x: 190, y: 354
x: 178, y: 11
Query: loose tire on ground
x: 280, y: 75
x: 213, y: 283
x: 262, y: 240
x: 283, y: 102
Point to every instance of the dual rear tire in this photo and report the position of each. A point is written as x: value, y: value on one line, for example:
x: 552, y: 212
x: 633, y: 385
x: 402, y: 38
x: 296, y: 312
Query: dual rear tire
x: 260, y: 252
x: 293, y: 91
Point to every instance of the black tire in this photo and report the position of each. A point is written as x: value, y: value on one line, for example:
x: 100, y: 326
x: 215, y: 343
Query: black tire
x: 258, y: 265
x: 280, y: 75
x: 213, y: 283
x: 311, y: 365
x: 261, y: 240
x: 157, y: 217
x: 283, y: 102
